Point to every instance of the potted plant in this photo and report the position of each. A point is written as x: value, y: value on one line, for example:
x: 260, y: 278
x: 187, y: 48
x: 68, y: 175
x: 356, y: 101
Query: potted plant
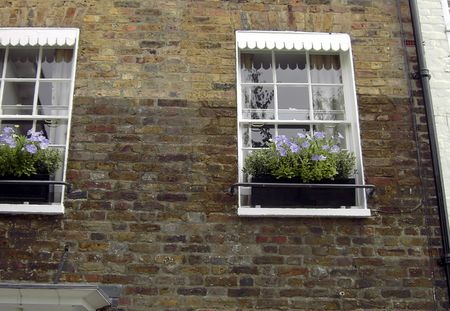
x: 26, y: 157
x: 308, y: 159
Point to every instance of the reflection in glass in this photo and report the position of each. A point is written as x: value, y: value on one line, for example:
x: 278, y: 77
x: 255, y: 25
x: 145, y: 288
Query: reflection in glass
x: 293, y: 103
x: 54, y: 130
x: 20, y: 127
x: 328, y: 102
x: 18, y: 98
x: 325, y: 69
x: 258, y: 102
x: 54, y: 98
x: 292, y: 130
x: 2, y: 59
x: 22, y: 63
x: 56, y: 63
x: 257, y: 136
x: 337, y: 131
x: 256, y: 67
x: 291, y: 68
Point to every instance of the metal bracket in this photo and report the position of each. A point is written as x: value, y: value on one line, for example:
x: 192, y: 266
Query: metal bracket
x: 418, y: 75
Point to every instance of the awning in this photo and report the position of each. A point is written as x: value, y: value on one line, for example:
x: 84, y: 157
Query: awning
x: 52, y: 297
x: 289, y: 40
x: 38, y: 36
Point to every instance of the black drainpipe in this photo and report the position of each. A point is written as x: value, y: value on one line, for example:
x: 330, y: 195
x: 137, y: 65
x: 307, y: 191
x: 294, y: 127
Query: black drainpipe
x: 424, y: 79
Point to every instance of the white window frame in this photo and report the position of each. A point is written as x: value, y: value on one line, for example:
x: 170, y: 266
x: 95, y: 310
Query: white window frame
x: 41, y: 38
x: 303, y: 42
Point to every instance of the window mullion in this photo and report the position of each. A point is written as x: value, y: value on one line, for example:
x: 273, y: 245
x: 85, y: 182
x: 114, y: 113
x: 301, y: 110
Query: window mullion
x: 311, y: 106
x: 2, y: 85
x: 275, y: 91
x: 36, y: 87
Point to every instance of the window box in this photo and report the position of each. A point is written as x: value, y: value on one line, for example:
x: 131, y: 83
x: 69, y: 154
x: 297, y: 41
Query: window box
x: 26, y: 192
x: 326, y: 194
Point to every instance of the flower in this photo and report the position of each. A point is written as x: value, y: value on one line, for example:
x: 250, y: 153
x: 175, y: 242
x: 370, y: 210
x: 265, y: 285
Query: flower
x: 305, y: 144
x: 307, y: 157
x: 31, y: 148
x: 319, y: 135
x: 26, y: 155
x: 335, y: 149
x: 318, y: 157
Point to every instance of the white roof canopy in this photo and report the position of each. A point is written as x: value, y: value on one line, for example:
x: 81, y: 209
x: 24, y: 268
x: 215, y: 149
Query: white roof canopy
x: 51, y: 297
x: 38, y: 36
x: 289, y: 40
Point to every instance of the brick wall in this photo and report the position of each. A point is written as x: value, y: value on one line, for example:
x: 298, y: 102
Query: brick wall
x: 153, y: 150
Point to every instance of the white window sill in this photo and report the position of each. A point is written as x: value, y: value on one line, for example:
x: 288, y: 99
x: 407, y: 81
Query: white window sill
x: 355, y: 212
x: 43, y: 209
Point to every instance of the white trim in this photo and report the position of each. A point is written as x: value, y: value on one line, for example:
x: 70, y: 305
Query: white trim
x: 446, y: 14
x: 304, y: 212
x: 38, y: 36
x: 45, y: 209
x: 51, y: 297
x: 289, y: 40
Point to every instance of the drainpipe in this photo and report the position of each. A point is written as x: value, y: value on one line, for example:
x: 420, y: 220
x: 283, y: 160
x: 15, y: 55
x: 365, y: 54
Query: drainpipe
x: 424, y: 77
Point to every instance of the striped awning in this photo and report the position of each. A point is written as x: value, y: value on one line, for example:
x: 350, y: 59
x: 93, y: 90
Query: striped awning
x: 38, y: 36
x: 289, y: 40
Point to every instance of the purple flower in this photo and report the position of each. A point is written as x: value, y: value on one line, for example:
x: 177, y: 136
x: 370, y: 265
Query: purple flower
x: 31, y: 148
x: 8, y: 130
x: 318, y: 157
x: 305, y: 144
x: 282, y: 151
x: 335, y: 149
x: 10, y: 141
x: 319, y: 135
x: 301, y: 135
x: 325, y: 147
x: 281, y: 139
x: 294, y: 148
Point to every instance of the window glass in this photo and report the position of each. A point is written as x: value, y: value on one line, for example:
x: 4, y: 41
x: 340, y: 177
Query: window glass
x: 54, y: 98
x: 257, y: 136
x: 325, y: 69
x: 56, y: 63
x: 22, y: 63
x: 328, y: 102
x: 291, y: 68
x: 293, y: 103
x: 18, y: 98
x: 258, y: 102
x: 256, y: 68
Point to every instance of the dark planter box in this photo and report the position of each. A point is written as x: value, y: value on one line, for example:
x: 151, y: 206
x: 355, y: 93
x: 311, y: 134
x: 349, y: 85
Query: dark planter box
x: 30, y: 193
x: 311, y: 197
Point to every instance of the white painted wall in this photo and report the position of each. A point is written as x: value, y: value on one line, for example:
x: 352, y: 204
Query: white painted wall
x: 435, y: 23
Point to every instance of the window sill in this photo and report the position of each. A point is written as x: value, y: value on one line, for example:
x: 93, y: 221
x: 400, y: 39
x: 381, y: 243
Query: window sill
x: 40, y: 209
x: 355, y: 212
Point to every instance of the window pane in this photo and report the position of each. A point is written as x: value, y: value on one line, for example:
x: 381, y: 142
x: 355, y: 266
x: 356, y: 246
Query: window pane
x: 57, y: 63
x: 257, y: 136
x: 2, y: 59
x: 328, y: 102
x: 325, y: 69
x: 256, y: 68
x: 22, y: 63
x: 293, y: 103
x: 54, y: 98
x: 18, y: 98
x: 337, y: 131
x: 291, y: 68
x: 258, y: 102
x: 54, y: 130
x: 292, y: 130
x: 20, y: 127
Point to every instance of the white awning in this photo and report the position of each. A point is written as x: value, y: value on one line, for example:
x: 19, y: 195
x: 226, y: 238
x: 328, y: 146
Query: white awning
x: 51, y: 297
x: 307, y: 41
x: 38, y: 36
